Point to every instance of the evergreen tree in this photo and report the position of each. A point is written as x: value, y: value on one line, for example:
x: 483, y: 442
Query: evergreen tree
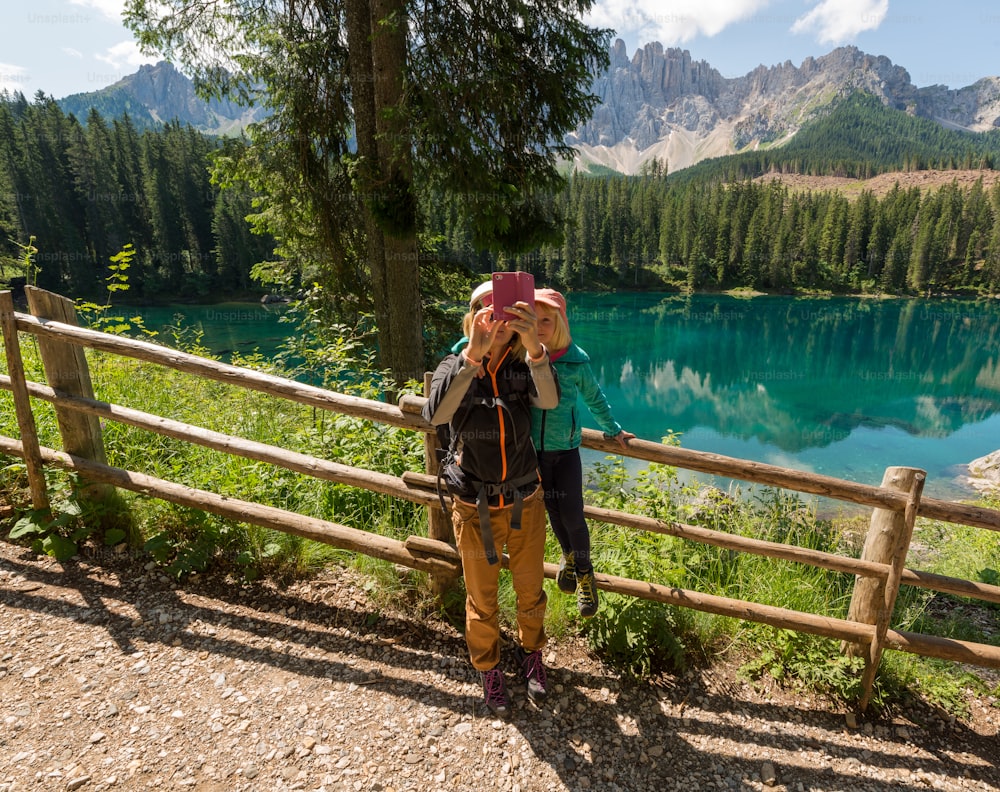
x: 470, y: 100
x: 133, y: 210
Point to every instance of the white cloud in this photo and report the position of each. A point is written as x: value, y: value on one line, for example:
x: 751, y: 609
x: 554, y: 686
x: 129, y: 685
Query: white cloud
x: 13, y: 78
x: 73, y: 53
x: 832, y: 21
x: 673, y: 23
x: 839, y: 21
x: 112, y: 9
x: 125, y: 57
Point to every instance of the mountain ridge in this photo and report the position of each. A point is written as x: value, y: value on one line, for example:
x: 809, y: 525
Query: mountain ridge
x: 662, y: 104
x: 657, y: 104
x: 157, y: 94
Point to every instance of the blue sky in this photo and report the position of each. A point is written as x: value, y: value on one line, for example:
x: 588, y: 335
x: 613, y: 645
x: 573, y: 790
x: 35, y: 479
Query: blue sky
x: 71, y: 46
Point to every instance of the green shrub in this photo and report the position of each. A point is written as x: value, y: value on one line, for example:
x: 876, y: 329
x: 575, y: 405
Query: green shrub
x: 637, y: 636
x: 807, y: 662
x: 71, y: 520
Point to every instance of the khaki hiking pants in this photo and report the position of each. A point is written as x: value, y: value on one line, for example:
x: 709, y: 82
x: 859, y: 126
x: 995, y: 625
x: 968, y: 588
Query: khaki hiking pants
x: 526, y: 548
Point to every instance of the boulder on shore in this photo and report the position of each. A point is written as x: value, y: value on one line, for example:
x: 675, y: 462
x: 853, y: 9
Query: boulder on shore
x: 984, y: 473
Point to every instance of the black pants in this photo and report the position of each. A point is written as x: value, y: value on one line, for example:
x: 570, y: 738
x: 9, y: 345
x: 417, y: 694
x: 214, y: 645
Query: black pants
x: 562, y: 483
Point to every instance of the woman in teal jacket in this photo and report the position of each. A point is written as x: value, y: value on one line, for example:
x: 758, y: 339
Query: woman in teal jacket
x: 557, y: 434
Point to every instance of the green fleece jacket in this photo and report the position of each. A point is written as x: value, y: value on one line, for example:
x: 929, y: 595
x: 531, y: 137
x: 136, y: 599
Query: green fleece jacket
x: 559, y: 429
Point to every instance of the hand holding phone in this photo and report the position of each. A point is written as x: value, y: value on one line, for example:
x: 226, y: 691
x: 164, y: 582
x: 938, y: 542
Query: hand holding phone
x: 509, y: 288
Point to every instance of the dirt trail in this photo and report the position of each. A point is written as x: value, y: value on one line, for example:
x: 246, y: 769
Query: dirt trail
x: 112, y: 677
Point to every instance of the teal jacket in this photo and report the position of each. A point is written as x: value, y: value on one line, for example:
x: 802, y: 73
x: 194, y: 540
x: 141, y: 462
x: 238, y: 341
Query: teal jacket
x: 559, y: 429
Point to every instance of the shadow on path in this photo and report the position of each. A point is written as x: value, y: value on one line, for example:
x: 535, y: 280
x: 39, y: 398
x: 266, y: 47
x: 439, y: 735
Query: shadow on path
x: 594, y: 730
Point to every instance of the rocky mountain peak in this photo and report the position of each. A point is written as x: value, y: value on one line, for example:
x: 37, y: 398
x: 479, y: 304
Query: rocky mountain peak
x: 661, y: 103
x: 159, y: 93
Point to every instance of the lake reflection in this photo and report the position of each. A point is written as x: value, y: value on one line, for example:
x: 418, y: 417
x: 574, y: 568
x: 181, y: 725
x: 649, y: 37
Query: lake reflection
x: 873, y: 382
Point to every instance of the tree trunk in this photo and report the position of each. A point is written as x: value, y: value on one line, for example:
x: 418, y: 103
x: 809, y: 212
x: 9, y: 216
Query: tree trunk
x: 359, y: 42
x: 378, y: 61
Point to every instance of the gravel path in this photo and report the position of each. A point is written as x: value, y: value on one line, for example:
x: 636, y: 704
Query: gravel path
x: 112, y: 677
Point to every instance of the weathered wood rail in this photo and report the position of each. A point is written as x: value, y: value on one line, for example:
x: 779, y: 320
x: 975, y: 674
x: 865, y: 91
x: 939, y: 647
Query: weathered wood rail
x: 879, y: 573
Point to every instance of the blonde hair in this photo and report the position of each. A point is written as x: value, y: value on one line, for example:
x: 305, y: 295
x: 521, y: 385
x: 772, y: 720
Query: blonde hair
x: 560, y: 335
x: 517, y: 348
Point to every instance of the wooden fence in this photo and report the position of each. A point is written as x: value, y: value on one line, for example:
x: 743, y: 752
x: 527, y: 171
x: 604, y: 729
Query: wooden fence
x: 879, y: 572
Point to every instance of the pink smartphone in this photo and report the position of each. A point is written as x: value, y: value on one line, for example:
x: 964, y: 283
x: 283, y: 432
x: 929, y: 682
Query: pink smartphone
x: 509, y: 288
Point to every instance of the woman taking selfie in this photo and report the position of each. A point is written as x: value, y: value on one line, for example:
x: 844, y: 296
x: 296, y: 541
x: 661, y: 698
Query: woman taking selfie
x: 485, y: 394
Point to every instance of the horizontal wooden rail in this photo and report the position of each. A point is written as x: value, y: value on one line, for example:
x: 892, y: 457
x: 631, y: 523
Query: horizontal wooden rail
x: 950, y: 585
x: 944, y: 648
x: 221, y: 372
x: 249, y: 449
x: 782, y: 618
x: 816, y: 558
x: 745, y: 470
x: 815, y: 484
x: 773, y: 475
x: 342, y: 536
x: 743, y: 544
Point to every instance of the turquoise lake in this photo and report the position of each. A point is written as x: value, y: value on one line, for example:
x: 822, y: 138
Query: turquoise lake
x: 840, y: 386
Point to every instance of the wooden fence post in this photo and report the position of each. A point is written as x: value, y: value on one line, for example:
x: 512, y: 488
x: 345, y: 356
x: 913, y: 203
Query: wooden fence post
x: 887, y: 542
x: 438, y: 523
x: 22, y: 405
x: 66, y: 370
